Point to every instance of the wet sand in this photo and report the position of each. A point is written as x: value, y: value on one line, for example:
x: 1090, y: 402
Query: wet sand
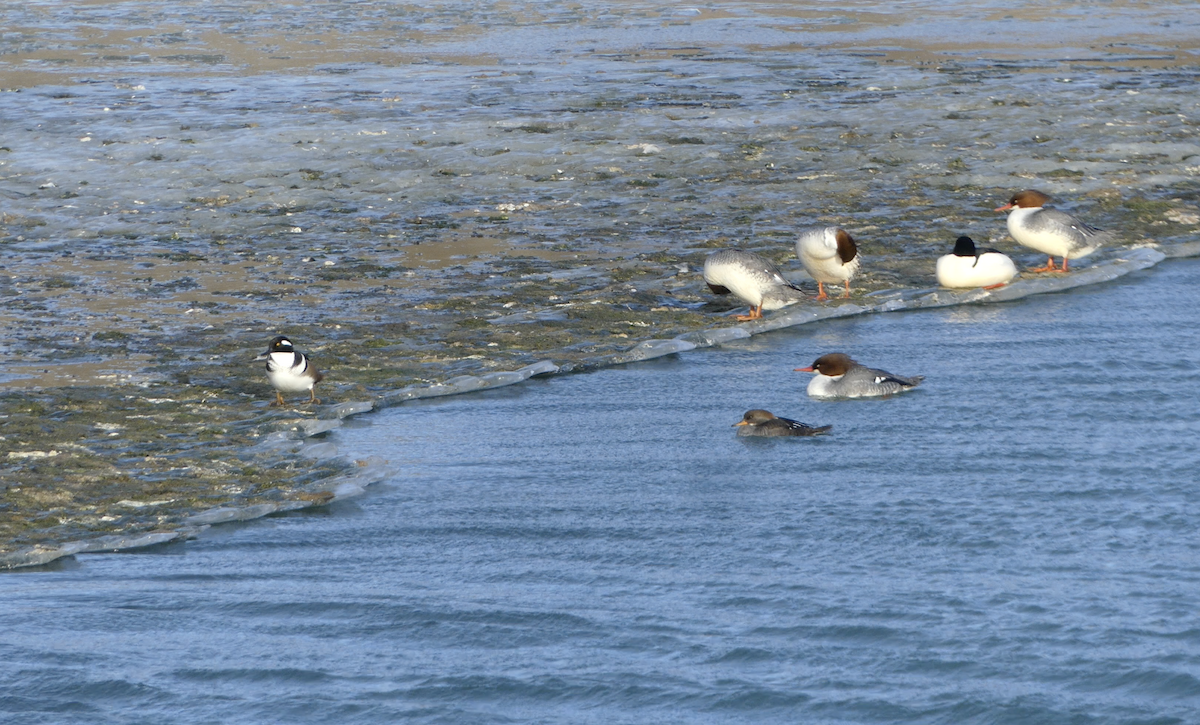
x: 414, y: 194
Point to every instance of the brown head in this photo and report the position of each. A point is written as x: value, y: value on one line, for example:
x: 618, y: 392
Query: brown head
x: 847, y: 249
x: 1028, y: 199
x: 755, y: 417
x: 833, y: 364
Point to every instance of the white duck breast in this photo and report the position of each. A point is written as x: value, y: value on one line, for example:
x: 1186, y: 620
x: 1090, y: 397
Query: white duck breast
x: 288, y: 372
x: 969, y: 266
x: 752, y: 279
x: 830, y: 255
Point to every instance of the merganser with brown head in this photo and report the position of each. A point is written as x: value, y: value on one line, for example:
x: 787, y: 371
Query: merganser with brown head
x: 1050, y: 231
x: 830, y: 255
x: 764, y: 423
x: 840, y: 376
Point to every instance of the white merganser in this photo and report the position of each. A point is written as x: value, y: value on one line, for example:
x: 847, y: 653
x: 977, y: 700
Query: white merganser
x: 969, y: 266
x: 830, y: 255
x: 752, y: 279
x: 838, y: 376
x: 1050, y: 231
x: 765, y: 423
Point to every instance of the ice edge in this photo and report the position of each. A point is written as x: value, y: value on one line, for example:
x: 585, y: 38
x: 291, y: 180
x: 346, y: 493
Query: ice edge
x: 341, y: 487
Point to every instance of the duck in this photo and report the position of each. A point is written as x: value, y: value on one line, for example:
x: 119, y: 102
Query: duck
x: 1050, y: 231
x: 830, y: 255
x: 760, y: 422
x: 970, y: 266
x: 753, y: 279
x: 840, y: 376
x: 289, y: 370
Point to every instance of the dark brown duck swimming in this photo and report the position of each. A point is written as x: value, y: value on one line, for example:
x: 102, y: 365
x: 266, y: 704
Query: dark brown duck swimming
x: 760, y: 422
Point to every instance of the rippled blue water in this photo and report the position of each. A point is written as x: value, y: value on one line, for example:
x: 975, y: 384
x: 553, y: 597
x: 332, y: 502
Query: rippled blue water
x: 1014, y: 542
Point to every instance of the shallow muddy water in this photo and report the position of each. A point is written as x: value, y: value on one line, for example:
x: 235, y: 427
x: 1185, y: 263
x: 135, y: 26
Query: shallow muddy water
x: 414, y: 192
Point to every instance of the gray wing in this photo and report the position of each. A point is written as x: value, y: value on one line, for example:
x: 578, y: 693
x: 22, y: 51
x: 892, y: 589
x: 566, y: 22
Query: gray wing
x: 864, y: 380
x: 751, y: 263
x: 1053, y: 221
x: 761, y: 269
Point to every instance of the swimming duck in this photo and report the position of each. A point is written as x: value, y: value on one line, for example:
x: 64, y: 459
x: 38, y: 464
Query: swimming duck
x: 764, y: 423
x: 830, y: 255
x: 838, y: 376
x: 752, y: 279
x: 969, y: 266
x: 1050, y: 231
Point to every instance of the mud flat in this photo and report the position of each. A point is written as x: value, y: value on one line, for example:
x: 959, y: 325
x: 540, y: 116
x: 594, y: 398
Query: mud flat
x: 431, y: 203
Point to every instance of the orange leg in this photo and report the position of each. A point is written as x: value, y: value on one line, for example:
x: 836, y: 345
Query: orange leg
x: 312, y: 396
x: 755, y: 314
x: 278, y: 399
x: 847, y: 290
x: 1051, y: 267
x: 995, y: 286
x: 821, y: 291
x: 1048, y: 268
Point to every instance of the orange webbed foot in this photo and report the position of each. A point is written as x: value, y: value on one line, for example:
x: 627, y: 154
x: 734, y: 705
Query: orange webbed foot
x: 1050, y: 267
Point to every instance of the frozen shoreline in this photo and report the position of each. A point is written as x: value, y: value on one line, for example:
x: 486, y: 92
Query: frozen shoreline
x: 355, y: 483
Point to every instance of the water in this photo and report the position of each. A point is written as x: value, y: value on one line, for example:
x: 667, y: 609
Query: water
x: 1014, y: 542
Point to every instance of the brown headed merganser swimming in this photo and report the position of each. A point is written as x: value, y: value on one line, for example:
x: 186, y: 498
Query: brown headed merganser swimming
x: 838, y: 376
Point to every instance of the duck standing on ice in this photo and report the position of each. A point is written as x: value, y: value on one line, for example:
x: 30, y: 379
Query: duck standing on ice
x: 830, y: 255
x: 1050, y: 231
x: 753, y: 279
x: 970, y: 266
